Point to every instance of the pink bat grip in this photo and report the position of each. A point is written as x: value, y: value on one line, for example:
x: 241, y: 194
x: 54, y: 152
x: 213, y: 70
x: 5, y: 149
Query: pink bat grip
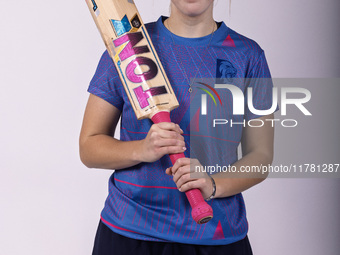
x: 201, y: 211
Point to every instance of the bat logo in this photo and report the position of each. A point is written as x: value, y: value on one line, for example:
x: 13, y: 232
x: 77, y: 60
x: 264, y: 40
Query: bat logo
x: 138, y: 66
x: 129, y: 41
x: 143, y: 96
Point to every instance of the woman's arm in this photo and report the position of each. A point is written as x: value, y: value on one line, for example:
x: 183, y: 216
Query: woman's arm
x: 257, y: 150
x: 98, y: 148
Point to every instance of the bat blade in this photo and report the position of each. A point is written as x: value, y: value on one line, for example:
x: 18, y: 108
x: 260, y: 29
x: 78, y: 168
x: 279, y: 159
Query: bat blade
x: 135, y: 58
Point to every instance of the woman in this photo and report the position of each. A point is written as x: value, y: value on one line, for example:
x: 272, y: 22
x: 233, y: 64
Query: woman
x: 146, y: 211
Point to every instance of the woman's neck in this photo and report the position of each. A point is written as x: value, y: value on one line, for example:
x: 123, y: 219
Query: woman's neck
x: 190, y: 27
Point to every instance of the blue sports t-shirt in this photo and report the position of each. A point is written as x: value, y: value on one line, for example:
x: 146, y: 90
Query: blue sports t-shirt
x: 143, y: 202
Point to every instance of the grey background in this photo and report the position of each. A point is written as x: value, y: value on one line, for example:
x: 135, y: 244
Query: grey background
x: 314, y: 140
x: 50, y: 202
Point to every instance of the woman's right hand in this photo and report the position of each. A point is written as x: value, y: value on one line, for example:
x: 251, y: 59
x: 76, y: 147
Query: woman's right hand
x: 162, y: 139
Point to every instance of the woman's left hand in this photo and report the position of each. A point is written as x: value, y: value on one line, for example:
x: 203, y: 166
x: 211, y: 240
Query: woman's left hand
x: 187, y: 174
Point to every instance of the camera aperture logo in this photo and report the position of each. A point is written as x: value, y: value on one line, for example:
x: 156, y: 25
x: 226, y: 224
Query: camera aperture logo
x: 204, y: 97
x: 243, y: 101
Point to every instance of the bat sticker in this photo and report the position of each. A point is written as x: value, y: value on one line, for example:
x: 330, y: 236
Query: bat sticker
x: 95, y: 8
x: 121, y: 26
x: 136, y: 22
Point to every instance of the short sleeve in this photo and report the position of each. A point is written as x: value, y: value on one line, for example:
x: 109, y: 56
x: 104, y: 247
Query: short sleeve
x: 260, y: 81
x: 106, y: 83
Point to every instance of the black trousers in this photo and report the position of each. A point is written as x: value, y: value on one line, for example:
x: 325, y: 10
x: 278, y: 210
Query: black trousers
x: 109, y: 243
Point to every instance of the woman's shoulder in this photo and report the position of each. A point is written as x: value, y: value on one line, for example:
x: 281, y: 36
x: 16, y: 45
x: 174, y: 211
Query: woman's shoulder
x: 239, y: 41
x: 151, y: 26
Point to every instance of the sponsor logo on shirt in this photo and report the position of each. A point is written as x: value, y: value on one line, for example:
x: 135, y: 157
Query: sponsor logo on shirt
x: 225, y: 70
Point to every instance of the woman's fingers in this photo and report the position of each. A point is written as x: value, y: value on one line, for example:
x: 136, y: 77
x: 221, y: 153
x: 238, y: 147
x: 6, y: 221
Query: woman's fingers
x: 186, y: 178
x: 162, y: 138
x: 170, y: 150
x: 170, y: 126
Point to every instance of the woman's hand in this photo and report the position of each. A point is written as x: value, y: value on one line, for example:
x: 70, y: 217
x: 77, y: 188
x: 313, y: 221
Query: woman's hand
x: 162, y: 138
x: 187, y: 174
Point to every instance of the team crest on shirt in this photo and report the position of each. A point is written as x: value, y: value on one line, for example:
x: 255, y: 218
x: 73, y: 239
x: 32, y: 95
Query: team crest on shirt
x: 225, y: 70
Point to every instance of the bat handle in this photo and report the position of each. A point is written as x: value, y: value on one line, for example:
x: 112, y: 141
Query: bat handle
x: 201, y: 211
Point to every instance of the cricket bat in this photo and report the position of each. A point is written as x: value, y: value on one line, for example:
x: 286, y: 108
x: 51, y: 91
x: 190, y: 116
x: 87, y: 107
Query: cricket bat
x: 141, y: 73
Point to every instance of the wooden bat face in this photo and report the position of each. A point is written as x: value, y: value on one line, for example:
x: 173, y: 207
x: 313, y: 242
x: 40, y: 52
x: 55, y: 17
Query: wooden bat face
x: 135, y: 58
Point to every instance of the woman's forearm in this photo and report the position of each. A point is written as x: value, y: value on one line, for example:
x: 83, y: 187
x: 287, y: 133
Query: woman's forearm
x: 229, y: 184
x: 258, y: 151
x: 103, y: 151
x: 98, y: 149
